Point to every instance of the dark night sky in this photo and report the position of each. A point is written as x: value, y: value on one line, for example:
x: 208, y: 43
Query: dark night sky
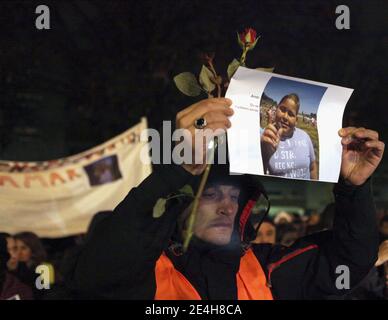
x: 104, y: 64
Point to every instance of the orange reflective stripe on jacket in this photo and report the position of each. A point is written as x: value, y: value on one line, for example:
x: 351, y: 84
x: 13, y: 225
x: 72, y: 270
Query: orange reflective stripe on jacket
x: 172, y: 285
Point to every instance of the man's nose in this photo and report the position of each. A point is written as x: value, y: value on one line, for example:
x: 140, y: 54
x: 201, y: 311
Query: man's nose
x: 227, y: 206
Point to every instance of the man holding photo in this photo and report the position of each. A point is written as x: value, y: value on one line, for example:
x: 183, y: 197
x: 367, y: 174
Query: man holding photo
x: 288, y: 151
x: 132, y: 254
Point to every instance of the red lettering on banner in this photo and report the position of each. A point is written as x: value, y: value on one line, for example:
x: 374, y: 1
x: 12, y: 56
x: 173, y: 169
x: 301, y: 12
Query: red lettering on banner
x: 133, y: 137
x: 19, y: 167
x: 28, y: 178
x: 97, y: 153
x: 52, y: 164
x: 71, y: 174
x: 4, y: 179
x: 129, y: 139
x: 111, y: 147
x: 35, y: 168
x: 4, y: 167
x: 74, y: 161
x: 54, y: 176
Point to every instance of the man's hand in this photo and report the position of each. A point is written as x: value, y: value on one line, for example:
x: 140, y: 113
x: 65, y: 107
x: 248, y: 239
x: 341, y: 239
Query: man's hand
x: 270, y: 140
x: 361, y: 154
x: 216, y: 112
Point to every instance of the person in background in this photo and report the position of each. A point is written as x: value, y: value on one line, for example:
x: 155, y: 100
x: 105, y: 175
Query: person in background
x: 319, y: 222
x: 12, y: 262
x: 31, y: 253
x: 266, y: 232
x: 300, y: 224
x: 313, y: 222
x: 282, y: 217
x: 287, y: 234
x: 59, y: 290
x: 30, y: 249
x: 11, y: 288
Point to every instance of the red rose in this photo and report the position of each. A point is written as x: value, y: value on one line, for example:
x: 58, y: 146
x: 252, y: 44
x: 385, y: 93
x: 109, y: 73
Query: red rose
x: 248, y: 37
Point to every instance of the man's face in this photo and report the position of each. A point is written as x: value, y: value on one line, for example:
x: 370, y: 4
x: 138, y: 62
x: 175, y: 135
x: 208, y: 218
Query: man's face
x: 217, y: 210
x: 266, y: 233
x: 286, y: 116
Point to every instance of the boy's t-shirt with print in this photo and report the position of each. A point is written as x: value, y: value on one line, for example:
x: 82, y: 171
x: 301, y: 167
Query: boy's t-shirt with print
x: 293, y: 157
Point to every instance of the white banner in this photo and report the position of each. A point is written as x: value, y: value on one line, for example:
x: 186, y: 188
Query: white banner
x: 58, y: 198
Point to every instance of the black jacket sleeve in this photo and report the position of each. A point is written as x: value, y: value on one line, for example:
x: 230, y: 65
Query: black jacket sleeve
x: 353, y: 244
x: 316, y: 266
x: 118, y: 259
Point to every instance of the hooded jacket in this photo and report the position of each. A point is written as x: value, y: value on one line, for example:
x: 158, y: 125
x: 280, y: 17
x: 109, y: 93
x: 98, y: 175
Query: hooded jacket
x: 119, y: 259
